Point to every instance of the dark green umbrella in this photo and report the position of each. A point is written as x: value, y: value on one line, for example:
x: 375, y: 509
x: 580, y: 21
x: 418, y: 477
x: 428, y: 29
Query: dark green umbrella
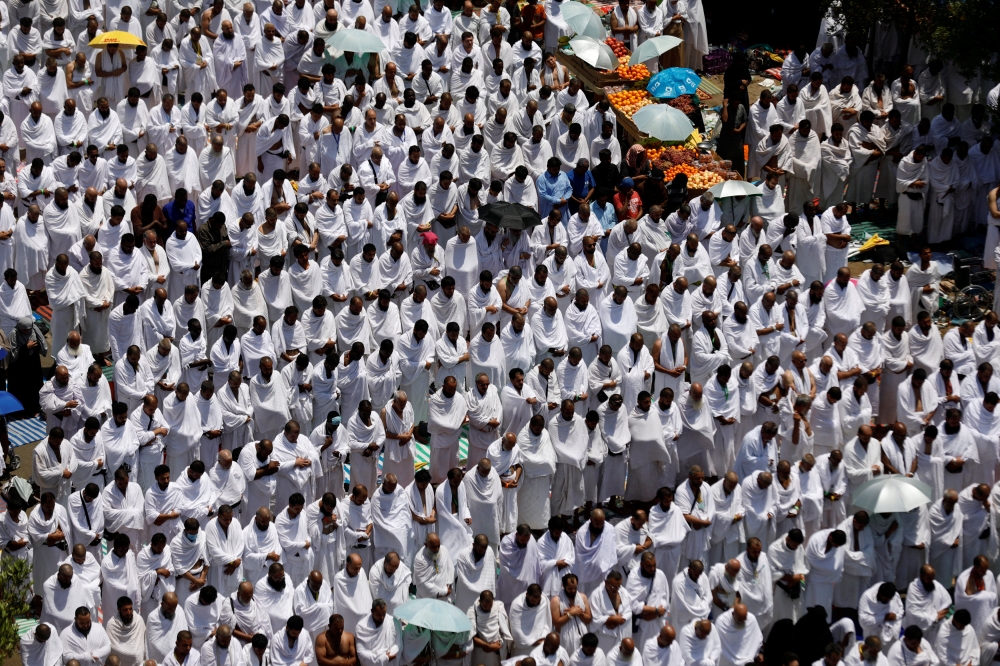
x: 510, y: 215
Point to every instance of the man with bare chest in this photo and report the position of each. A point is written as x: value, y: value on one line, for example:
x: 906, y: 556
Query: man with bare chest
x: 335, y: 647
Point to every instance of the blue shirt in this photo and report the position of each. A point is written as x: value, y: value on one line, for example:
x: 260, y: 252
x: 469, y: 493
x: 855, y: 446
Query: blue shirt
x: 607, y: 216
x: 581, y: 185
x: 174, y: 214
x: 551, y: 189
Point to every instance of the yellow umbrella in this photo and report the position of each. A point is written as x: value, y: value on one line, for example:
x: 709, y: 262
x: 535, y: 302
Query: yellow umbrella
x: 119, y: 37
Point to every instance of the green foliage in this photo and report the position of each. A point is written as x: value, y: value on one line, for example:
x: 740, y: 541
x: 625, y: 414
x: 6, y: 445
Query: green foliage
x: 15, y: 593
x: 964, y: 32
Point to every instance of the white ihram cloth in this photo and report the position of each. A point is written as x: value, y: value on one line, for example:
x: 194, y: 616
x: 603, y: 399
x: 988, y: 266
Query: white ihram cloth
x: 825, y: 570
x: 391, y: 519
x: 957, y: 646
x: 538, y: 458
x: 492, y: 627
x: 570, y: 440
x: 186, y: 557
x: 222, y: 548
x: 258, y: 544
x: 650, y: 457
x: 549, y: 553
x: 923, y: 606
x: 446, y: 416
x: 454, y: 531
x: 472, y: 576
x: 66, y: 298
x: 433, y: 573
x: 652, y: 591
x: 352, y: 596
x: 594, y: 556
x: 91, y: 649
x: 872, y: 613
x: 394, y: 589
x: 981, y: 604
x: 785, y: 562
x: 484, y: 497
x: 699, y: 651
x: 519, y: 567
x: 528, y: 625
x: 740, y: 645
x: 36, y: 653
x: 691, y: 600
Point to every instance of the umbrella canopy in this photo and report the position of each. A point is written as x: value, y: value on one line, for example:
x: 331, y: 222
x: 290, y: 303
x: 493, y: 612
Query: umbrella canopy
x: 892, y: 493
x: 119, y: 37
x: 9, y: 404
x: 673, y: 82
x: 583, y: 20
x: 651, y: 48
x: 594, y: 52
x: 434, y: 615
x: 510, y: 215
x: 663, y: 122
x: 429, y: 623
x: 734, y: 188
x: 355, y: 41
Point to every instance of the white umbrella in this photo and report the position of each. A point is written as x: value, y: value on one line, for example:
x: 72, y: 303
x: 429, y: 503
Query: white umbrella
x: 892, y: 493
x: 583, y: 20
x: 735, y: 188
x: 663, y: 122
x: 652, y: 48
x: 593, y: 52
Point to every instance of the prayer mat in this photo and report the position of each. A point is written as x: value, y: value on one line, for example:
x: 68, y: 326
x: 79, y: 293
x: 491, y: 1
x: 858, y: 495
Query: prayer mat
x: 25, y: 431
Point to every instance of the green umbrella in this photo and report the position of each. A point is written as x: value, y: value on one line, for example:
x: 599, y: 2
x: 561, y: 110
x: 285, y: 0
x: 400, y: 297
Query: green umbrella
x: 735, y: 188
x: 583, y: 20
x: 429, y: 622
x: 355, y: 41
x: 434, y: 615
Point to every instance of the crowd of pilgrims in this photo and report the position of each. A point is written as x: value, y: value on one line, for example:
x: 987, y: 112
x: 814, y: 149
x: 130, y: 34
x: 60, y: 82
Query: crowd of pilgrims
x: 294, y: 288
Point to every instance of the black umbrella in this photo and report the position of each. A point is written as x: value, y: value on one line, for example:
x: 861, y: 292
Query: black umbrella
x: 510, y: 215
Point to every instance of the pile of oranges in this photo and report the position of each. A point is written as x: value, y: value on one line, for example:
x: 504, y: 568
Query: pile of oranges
x: 654, y: 154
x: 618, y: 47
x: 679, y: 168
x: 633, y: 72
x: 630, y: 101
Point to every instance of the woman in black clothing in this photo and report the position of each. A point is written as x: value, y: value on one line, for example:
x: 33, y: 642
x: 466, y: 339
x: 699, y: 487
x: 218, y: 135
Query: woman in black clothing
x: 737, y: 75
x: 24, y: 374
x: 731, y: 131
x: 677, y: 194
x: 653, y: 191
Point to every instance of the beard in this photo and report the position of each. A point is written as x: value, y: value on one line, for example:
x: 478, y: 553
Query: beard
x: 277, y: 585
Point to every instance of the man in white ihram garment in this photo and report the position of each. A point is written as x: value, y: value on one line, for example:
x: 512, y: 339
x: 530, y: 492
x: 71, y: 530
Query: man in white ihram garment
x: 825, y: 559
